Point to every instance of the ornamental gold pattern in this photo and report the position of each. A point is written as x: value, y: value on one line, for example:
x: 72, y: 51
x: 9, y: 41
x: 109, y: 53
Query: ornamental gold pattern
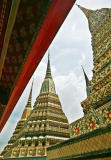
x: 2, y: 15
x: 90, y: 134
x: 92, y: 121
x: 97, y: 106
x: 45, y: 126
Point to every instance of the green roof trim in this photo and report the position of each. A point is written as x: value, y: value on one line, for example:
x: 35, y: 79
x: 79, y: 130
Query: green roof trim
x: 27, y: 158
x: 89, y: 155
x: 95, y: 106
x: 94, y: 133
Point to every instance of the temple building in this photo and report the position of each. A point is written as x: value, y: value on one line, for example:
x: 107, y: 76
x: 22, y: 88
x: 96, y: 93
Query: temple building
x: 45, y: 132
x: 91, y: 135
x: 45, y: 126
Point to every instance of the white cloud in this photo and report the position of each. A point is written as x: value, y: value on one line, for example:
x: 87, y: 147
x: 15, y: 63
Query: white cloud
x: 71, y: 91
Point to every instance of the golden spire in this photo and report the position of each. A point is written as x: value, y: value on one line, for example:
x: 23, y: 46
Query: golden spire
x: 27, y: 109
x: 30, y: 97
x: 48, y: 83
x: 48, y: 71
x: 87, y: 12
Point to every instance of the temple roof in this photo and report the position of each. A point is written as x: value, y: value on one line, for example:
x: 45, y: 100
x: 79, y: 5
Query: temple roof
x: 27, y: 17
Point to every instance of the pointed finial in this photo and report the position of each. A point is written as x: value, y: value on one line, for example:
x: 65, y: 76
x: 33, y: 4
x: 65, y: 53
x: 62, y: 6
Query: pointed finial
x: 87, y: 12
x: 31, y: 86
x: 27, y: 109
x: 30, y: 96
x: 32, y: 83
x: 48, y: 55
x: 48, y: 71
x: 87, y: 81
x: 86, y: 78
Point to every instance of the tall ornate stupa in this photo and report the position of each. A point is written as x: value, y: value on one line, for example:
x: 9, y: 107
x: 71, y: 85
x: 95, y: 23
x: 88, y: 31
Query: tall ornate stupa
x: 97, y: 105
x: 100, y: 86
x: 91, y: 134
x: 45, y: 126
x: 20, y: 124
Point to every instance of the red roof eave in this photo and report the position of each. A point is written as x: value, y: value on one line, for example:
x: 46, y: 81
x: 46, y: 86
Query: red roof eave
x: 53, y: 20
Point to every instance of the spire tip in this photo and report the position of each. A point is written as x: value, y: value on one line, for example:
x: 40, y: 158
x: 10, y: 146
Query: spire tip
x: 87, y: 12
x: 48, y: 54
x: 78, y: 5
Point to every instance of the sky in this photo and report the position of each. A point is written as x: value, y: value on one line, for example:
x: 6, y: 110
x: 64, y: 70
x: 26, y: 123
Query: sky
x: 70, y: 49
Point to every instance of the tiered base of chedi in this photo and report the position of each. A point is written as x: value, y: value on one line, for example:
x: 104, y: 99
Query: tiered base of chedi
x: 19, y: 126
x: 45, y: 126
x: 97, y: 106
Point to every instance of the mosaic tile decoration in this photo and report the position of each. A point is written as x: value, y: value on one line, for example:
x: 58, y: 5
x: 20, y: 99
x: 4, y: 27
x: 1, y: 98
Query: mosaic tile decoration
x: 101, y: 117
